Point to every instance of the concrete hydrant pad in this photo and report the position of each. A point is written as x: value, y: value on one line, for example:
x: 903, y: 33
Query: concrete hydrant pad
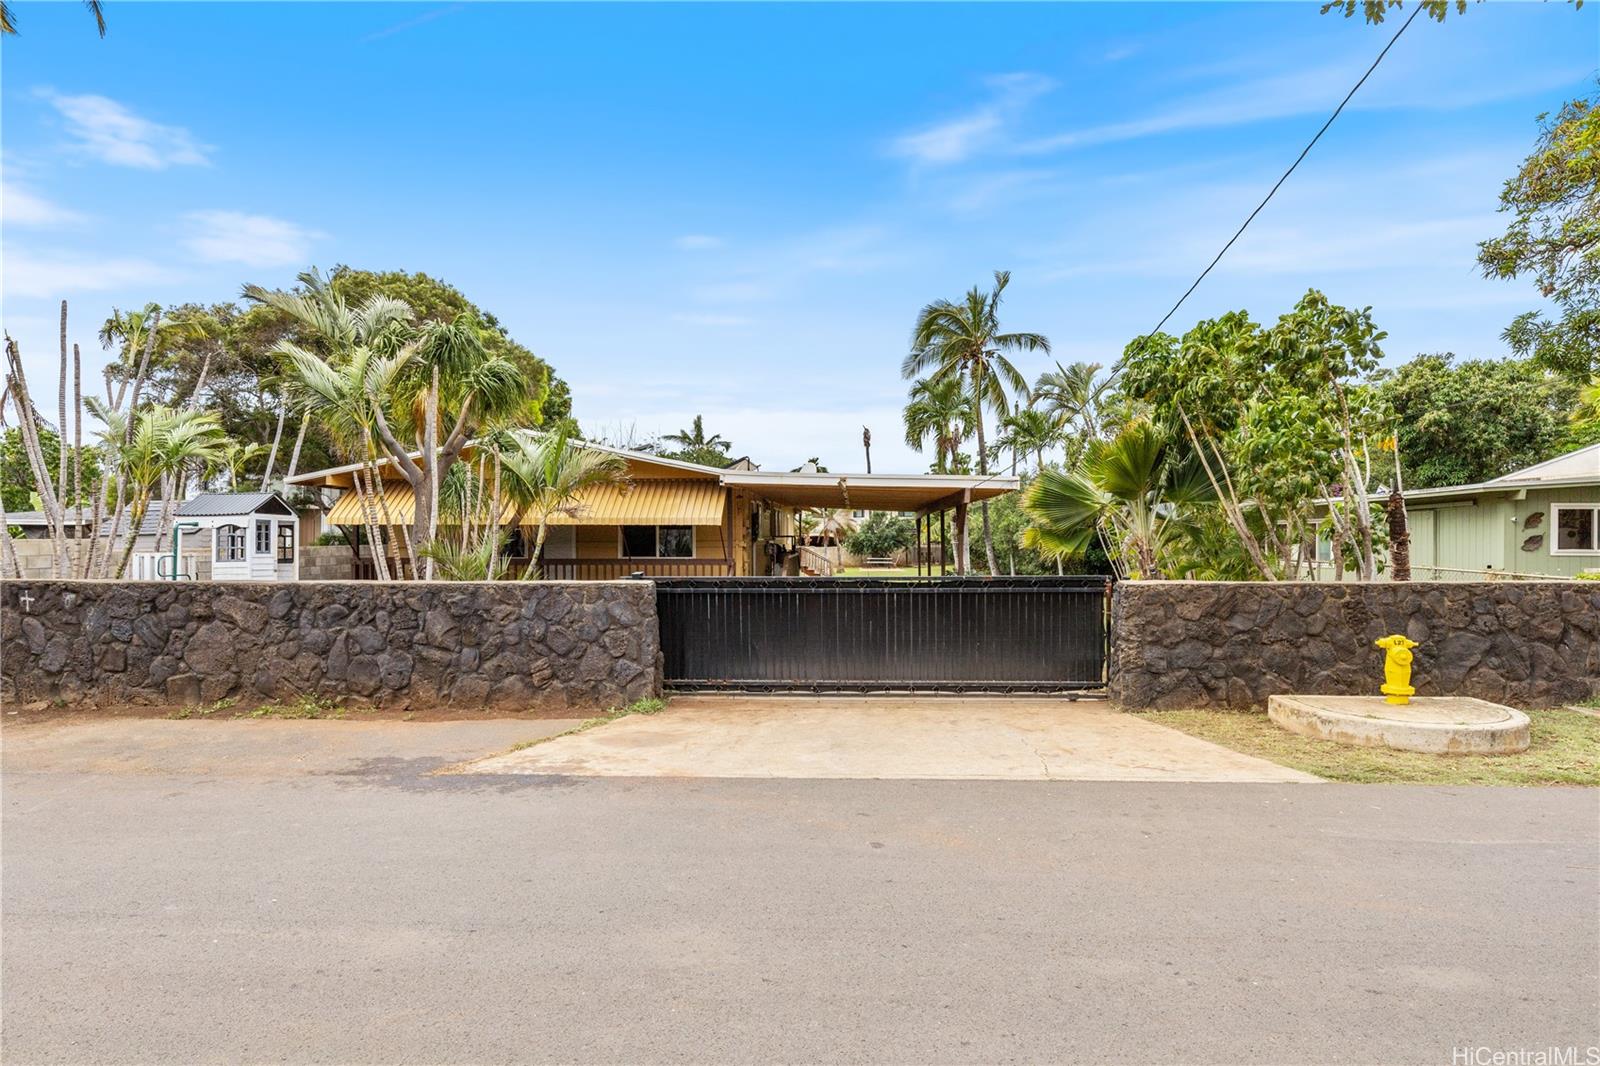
x: 1438, y: 725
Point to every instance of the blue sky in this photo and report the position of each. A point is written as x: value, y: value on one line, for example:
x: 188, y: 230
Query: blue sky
x: 737, y: 210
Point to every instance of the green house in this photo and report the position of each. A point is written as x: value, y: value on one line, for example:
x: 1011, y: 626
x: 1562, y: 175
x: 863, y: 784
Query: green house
x: 1540, y: 522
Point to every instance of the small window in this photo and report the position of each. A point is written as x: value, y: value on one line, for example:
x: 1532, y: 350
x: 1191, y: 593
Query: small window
x: 858, y: 514
x: 285, y: 542
x: 263, y: 537
x: 638, y: 541
x: 676, y: 542
x: 1577, y: 528
x: 657, y: 542
x: 230, y: 544
x: 1324, y: 548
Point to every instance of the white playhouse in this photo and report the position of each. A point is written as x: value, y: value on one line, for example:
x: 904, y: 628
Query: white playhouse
x: 224, y: 536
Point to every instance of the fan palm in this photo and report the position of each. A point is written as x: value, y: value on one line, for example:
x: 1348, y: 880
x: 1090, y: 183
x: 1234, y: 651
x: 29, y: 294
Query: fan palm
x: 1132, y: 492
x: 939, y: 412
x: 546, y: 475
x: 164, y: 441
x: 964, y: 341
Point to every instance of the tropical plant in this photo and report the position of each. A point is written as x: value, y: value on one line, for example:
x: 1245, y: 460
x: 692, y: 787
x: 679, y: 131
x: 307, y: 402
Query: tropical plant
x: 232, y: 461
x: 1133, y: 493
x: 694, y: 446
x: 1027, y: 431
x: 545, y: 475
x: 456, y: 562
x: 939, y: 413
x: 963, y: 341
x: 164, y: 443
x: 881, y: 535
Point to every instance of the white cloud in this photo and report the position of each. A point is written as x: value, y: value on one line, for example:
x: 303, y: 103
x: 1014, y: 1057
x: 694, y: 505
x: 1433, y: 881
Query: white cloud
x: 960, y: 138
x: 19, y: 207
x: 254, y: 240
x: 112, y: 133
x: 56, y: 276
x: 698, y: 242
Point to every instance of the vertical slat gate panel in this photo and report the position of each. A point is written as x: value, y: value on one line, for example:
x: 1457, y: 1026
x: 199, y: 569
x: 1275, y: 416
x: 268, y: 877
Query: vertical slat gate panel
x: 994, y: 634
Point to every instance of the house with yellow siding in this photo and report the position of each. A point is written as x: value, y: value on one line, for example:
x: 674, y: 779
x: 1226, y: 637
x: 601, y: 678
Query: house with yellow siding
x: 671, y: 518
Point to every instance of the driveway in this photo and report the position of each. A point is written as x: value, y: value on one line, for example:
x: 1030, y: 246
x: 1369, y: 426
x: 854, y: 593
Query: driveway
x: 887, y: 737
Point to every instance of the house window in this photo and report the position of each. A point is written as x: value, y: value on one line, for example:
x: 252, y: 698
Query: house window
x: 858, y: 514
x: 657, y: 542
x: 285, y: 542
x: 263, y: 538
x: 1577, y: 528
x: 230, y: 544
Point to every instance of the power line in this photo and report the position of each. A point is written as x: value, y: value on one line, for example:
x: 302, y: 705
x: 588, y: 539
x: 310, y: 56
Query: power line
x: 1304, y: 152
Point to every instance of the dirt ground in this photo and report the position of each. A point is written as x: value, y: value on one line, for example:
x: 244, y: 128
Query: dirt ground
x: 30, y: 713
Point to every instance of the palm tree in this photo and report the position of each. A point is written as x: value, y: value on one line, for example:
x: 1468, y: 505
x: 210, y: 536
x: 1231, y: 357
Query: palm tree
x: 1027, y: 431
x: 964, y: 341
x: 695, y: 437
x: 939, y: 412
x: 1133, y: 493
x: 8, y: 22
x: 233, y: 459
x: 164, y: 441
x: 546, y: 475
x: 1071, y: 395
x: 456, y: 562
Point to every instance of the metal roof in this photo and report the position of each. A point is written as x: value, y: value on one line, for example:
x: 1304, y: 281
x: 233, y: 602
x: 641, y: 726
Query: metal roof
x: 222, y: 504
x: 646, y: 502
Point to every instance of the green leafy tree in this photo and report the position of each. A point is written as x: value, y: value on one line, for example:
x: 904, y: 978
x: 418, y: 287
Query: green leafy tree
x: 1463, y: 423
x: 881, y: 535
x: 964, y: 342
x: 16, y: 480
x: 164, y: 443
x: 1554, y: 237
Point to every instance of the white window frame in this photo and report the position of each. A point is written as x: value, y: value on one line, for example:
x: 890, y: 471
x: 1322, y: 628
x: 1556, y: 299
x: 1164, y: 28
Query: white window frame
x: 263, y: 532
x: 1555, y: 528
x: 622, y: 544
x: 219, y: 537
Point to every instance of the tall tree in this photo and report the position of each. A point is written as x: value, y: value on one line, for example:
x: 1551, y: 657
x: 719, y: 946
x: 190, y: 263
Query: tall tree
x: 964, y: 341
x: 1463, y: 423
x: 1554, y: 236
x: 939, y: 413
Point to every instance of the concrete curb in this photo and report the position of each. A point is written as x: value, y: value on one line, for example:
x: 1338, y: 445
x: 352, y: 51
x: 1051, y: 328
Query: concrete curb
x: 1499, y: 730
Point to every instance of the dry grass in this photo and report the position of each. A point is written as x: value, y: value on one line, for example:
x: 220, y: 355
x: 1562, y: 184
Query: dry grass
x: 1564, y: 750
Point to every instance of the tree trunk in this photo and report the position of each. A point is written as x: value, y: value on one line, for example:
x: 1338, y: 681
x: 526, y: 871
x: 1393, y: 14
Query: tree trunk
x: 983, y: 468
x: 494, y: 516
x: 61, y: 419
x: 430, y: 461
x: 1399, y: 537
x: 28, y: 429
x: 294, y: 455
x: 369, y: 511
x: 77, y: 445
x: 277, y: 435
x: 141, y: 504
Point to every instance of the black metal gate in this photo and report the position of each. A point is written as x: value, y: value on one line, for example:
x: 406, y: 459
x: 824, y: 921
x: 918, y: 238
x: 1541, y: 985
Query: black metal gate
x: 1014, y: 634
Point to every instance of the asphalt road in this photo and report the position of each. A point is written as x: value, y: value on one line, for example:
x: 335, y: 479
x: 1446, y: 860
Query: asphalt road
x: 374, y: 914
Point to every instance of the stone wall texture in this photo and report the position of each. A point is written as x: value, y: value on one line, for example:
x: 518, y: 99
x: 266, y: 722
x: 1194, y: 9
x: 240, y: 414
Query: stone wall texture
x: 1232, y: 644
x: 509, y: 645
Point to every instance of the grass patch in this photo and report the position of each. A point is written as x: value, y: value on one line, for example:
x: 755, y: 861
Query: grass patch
x: 306, y: 706
x: 1563, y: 749
x: 648, y: 705
x: 205, y: 710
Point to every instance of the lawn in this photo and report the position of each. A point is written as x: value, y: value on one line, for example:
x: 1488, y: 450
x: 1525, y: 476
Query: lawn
x: 876, y: 571
x: 1564, y: 750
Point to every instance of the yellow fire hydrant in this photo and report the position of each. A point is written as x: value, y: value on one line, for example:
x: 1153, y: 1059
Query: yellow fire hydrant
x: 1396, y: 685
